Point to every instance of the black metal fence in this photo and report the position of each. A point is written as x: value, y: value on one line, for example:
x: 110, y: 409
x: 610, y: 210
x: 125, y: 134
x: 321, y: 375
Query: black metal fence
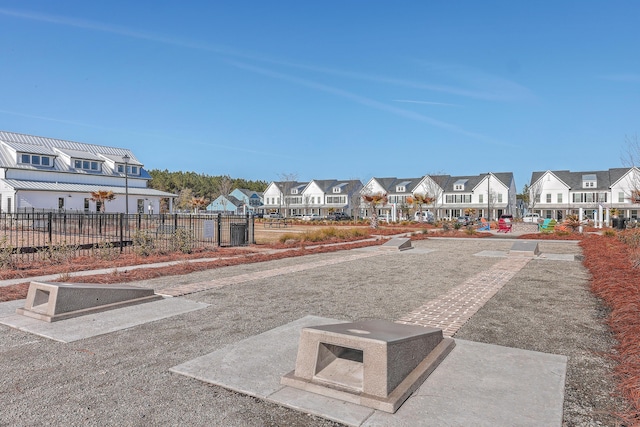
x: 26, y: 234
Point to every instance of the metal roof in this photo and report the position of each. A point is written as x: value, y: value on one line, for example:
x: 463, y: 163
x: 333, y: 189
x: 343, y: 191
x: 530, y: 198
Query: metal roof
x: 63, y: 187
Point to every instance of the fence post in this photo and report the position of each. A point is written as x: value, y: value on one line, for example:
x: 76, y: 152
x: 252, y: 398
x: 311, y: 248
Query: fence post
x: 50, y: 226
x: 121, y: 232
x: 219, y: 229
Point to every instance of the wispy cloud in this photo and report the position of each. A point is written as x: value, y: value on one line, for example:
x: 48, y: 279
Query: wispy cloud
x: 364, y: 101
x: 232, y: 53
x: 624, y: 78
x: 411, y: 101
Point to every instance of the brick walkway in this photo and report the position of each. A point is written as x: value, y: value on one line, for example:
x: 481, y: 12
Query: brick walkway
x: 190, y: 288
x: 455, y: 308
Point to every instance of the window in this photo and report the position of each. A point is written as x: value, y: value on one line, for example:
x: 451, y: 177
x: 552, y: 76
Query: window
x: 337, y: 189
x: 589, y: 197
x: 337, y: 199
x: 458, y: 198
x: 559, y: 197
x: 60, y: 203
x: 140, y: 205
x: 120, y: 168
x: 549, y: 198
x: 86, y: 165
x: 294, y: 191
x: 480, y: 198
x: 313, y: 199
x: 86, y: 205
x: 34, y: 159
x: 621, y: 197
x: 458, y: 187
x: 499, y: 197
x: 537, y: 198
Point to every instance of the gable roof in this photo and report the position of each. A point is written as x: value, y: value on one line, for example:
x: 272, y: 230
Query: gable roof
x: 604, y: 178
x: 32, y: 144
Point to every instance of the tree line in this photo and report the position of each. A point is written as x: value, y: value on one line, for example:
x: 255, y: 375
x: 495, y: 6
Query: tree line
x: 197, y: 189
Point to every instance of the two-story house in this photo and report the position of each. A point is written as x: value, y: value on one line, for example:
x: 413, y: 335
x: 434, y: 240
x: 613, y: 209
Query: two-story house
x: 57, y: 175
x: 489, y: 195
x: 239, y: 202
x: 589, y: 194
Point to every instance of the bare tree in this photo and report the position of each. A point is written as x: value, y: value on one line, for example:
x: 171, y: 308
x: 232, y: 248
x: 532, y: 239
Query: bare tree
x: 184, y: 199
x: 224, y: 188
x: 534, y: 192
x: 631, y: 159
x: 434, y: 189
x: 287, y: 182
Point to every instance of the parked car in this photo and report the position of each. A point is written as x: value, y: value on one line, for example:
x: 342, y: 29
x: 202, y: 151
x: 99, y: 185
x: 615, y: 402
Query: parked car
x: 465, y: 220
x: 531, y: 217
x: 338, y: 216
x: 426, y: 216
x: 274, y: 215
x: 311, y: 217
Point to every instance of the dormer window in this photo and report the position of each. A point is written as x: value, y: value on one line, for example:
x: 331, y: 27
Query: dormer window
x: 88, y: 165
x: 459, y: 185
x: 589, y: 181
x: 337, y: 189
x: 294, y: 191
x: 36, y: 160
x: 131, y: 170
x: 400, y: 189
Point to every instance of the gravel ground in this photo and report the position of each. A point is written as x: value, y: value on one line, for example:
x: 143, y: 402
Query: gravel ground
x: 123, y: 378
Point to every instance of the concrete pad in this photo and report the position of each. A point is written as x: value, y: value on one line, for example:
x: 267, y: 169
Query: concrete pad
x: 91, y: 325
x: 477, y: 384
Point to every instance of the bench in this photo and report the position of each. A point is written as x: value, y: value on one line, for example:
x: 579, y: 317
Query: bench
x: 547, y: 225
x: 484, y: 225
x: 276, y: 223
x: 504, y: 225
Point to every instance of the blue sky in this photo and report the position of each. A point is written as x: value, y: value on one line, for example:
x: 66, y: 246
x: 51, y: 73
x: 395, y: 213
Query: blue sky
x: 345, y: 89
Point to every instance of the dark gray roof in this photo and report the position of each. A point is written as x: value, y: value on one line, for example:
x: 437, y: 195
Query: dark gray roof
x: 390, y: 184
x: 573, y: 180
x: 349, y: 186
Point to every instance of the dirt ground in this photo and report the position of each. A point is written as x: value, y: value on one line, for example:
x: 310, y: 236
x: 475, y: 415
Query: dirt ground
x: 122, y: 378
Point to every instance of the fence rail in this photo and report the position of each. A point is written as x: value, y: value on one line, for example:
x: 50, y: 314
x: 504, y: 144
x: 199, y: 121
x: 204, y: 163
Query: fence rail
x: 31, y: 232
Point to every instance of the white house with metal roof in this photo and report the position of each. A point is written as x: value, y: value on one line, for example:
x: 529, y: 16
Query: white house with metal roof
x: 39, y: 173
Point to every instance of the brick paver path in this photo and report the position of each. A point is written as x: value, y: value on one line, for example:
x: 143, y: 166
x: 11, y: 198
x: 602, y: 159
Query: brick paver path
x: 190, y: 288
x: 453, y: 309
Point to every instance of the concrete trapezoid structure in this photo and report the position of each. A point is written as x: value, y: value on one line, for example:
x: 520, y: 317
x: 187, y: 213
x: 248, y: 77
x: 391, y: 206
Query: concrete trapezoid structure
x: 375, y: 363
x: 525, y: 249
x: 57, y: 301
x: 396, y: 244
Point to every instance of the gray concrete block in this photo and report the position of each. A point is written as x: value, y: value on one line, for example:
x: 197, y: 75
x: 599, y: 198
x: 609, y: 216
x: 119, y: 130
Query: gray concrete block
x: 524, y: 249
x: 396, y: 244
x: 57, y: 301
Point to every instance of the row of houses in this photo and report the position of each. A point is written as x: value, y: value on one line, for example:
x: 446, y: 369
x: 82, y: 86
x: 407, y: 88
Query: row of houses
x: 52, y: 174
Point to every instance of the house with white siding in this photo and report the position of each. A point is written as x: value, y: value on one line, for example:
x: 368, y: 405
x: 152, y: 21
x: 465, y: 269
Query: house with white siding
x: 40, y: 173
x: 588, y: 194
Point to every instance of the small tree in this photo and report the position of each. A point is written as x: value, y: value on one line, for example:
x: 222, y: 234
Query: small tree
x: 372, y: 201
x: 198, y: 203
x: 224, y: 188
x: 102, y: 197
x: 418, y: 200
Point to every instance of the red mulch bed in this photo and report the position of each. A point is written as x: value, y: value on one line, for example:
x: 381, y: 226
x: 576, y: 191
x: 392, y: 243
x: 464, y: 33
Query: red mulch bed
x: 616, y: 281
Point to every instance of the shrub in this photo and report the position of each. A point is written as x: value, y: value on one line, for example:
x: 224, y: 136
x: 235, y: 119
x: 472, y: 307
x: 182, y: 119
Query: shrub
x: 182, y: 241
x: 610, y: 233
x: 6, y: 253
x: 58, y: 253
x: 470, y: 231
x: 143, y: 243
x: 105, y: 251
